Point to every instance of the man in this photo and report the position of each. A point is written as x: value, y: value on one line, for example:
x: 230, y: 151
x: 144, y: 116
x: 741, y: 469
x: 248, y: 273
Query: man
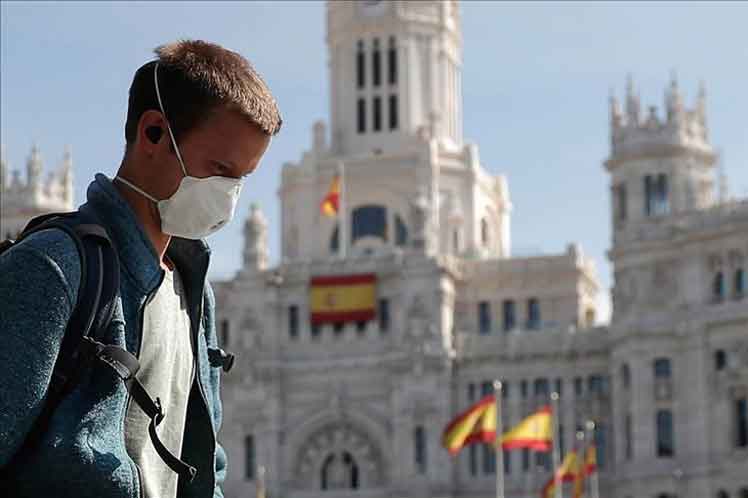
x: 199, y: 120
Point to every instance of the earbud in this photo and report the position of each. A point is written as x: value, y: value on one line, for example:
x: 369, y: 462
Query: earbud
x: 154, y: 133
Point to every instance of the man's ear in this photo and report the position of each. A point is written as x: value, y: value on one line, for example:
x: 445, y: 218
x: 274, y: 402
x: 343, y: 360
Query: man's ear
x: 154, y: 133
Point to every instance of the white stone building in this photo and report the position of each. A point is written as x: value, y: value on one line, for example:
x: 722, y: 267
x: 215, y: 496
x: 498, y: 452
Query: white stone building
x: 20, y: 201
x: 358, y: 409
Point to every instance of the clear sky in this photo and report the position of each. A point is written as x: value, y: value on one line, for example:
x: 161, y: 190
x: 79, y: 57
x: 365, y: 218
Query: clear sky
x: 536, y: 82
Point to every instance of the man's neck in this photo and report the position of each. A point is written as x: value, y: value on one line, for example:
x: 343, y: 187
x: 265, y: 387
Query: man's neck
x: 147, y: 213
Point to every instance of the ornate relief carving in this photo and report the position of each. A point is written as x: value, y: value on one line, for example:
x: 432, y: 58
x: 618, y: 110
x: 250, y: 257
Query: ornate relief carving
x: 339, y: 457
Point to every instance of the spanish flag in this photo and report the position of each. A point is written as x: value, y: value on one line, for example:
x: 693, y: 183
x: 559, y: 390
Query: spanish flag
x: 534, y: 432
x: 331, y: 202
x: 567, y: 472
x: 478, y: 425
x: 345, y: 298
x: 475, y: 425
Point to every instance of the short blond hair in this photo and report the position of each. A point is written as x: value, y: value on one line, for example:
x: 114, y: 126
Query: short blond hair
x: 195, y: 77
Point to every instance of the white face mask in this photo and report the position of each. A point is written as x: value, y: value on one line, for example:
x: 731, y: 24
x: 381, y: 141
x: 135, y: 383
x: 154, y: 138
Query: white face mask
x: 200, y: 206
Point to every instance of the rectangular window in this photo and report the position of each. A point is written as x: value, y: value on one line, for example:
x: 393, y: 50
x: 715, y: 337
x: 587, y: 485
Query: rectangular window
x: 484, y: 317
x: 377, y: 113
x: 392, y: 62
x: 486, y: 388
x: 541, y: 388
x: 648, y: 196
x: 360, y: 66
x: 393, y: 112
x: 507, y: 462
x: 558, y: 386
x: 384, y: 315
x: 665, y: 436
x: 473, y: 459
x: 249, y: 457
x: 621, y: 190
x: 628, y: 437
x: 595, y: 385
x: 741, y: 423
x: 419, y: 437
x: 504, y: 389
x: 561, y: 445
x: 489, y: 459
x: 509, y: 315
x: 533, y: 314
x: 293, y: 321
x: 523, y: 389
x: 471, y: 392
x: 376, y: 61
x: 543, y: 459
x: 578, y: 387
x: 361, y: 115
x: 525, y: 460
x: 224, y: 333
x: 663, y: 205
x: 662, y: 368
x: 601, y: 444
x: 316, y: 331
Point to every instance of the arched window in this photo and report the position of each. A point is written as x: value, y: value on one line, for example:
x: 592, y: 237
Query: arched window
x: 339, y: 471
x: 360, y: 65
x: 369, y: 221
x: 625, y: 376
x: 484, y: 233
x: 739, y: 283
x: 718, y: 286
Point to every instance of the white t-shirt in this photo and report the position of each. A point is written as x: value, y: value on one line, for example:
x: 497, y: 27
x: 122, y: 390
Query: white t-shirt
x: 166, y: 371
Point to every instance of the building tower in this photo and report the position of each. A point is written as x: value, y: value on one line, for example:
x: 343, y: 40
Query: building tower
x: 663, y: 172
x: 396, y: 126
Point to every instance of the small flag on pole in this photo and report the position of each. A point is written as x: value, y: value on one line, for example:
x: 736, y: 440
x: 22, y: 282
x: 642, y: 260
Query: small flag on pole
x: 477, y: 424
x: 331, y: 203
x: 567, y: 472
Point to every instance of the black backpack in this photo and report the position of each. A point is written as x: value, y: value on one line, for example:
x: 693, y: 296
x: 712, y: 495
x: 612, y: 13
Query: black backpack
x: 93, y: 312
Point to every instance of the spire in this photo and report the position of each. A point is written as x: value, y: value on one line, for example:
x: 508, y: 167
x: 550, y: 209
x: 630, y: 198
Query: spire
x: 673, y: 99
x: 701, y: 104
x: 615, y: 110
x: 67, y: 176
x: 632, y: 102
x: 255, y: 240
x: 34, y: 166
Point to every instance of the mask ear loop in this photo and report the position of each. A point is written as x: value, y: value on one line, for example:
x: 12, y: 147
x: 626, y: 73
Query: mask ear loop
x: 168, y: 128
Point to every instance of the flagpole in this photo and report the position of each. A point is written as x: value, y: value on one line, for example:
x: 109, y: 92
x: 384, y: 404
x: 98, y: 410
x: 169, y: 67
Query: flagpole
x: 558, y: 491
x: 594, y: 483
x: 582, y: 468
x: 342, y: 225
x: 498, y: 393
x: 261, y: 482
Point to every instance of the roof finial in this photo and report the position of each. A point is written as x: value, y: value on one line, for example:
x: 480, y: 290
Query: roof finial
x: 632, y: 102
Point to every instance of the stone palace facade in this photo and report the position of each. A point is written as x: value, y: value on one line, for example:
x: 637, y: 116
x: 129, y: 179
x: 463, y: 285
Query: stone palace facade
x: 357, y: 409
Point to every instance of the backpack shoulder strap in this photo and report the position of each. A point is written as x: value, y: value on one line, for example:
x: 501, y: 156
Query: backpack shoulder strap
x: 93, y: 311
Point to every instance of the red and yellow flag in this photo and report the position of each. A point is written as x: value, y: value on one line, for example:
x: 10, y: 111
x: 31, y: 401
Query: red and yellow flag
x: 478, y: 425
x: 345, y: 298
x: 586, y: 468
x: 567, y: 472
x: 331, y: 203
x: 534, y: 432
